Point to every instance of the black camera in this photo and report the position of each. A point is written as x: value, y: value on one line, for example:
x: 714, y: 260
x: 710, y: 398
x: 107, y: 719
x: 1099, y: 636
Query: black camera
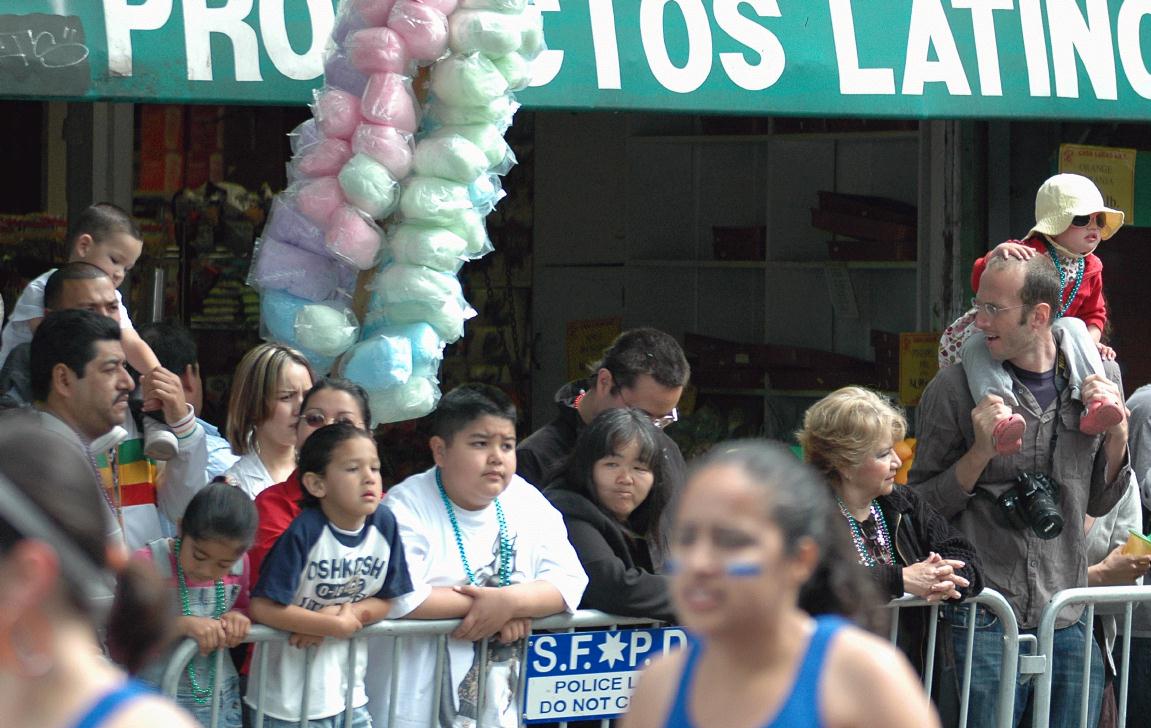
x: 1032, y: 503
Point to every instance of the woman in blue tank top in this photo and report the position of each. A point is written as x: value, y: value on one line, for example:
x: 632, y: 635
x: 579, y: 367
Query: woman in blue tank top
x: 55, y: 589
x: 751, y: 529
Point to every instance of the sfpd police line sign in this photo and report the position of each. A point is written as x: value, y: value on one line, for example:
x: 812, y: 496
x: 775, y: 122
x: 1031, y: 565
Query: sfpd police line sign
x: 589, y: 674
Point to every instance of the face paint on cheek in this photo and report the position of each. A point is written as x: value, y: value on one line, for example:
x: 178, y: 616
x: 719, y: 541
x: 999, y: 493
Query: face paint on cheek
x: 743, y: 570
x: 672, y: 566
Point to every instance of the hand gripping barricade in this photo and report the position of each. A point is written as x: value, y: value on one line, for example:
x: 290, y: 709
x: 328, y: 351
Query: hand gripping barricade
x: 400, y: 629
x: 1038, y: 665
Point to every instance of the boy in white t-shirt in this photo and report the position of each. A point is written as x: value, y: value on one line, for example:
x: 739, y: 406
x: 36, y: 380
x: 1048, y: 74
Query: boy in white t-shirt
x: 482, y: 544
x: 104, y: 236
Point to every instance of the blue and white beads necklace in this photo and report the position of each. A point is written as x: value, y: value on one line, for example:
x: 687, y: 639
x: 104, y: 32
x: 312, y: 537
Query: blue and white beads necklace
x: 860, y: 542
x: 1081, y: 264
x: 199, y: 694
x: 505, y: 576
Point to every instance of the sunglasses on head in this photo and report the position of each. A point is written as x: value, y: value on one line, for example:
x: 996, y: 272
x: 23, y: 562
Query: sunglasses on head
x: 1085, y: 220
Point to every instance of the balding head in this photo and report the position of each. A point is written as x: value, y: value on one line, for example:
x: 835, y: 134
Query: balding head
x: 81, y: 286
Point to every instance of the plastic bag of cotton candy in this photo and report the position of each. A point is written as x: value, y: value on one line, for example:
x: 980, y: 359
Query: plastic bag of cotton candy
x: 409, y: 294
x: 398, y: 366
x: 321, y: 331
x: 301, y: 272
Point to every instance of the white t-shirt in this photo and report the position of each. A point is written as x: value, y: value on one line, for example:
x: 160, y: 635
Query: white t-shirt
x: 314, y: 565
x: 30, y: 306
x: 250, y: 474
x: 541, y: 551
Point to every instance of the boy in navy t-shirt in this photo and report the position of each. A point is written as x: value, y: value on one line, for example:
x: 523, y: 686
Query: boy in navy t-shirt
x: 333, y: 571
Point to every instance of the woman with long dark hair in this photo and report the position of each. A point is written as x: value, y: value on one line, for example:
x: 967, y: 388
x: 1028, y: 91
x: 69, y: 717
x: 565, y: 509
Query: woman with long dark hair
x: 612, y: 494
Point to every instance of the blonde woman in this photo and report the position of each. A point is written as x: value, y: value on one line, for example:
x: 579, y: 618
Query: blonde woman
x: 849, y: 436
x: 267, y: 389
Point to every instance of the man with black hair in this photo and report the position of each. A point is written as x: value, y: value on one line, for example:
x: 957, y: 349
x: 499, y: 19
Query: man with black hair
x: 177, y: 352
x: 644, y: 369
x: 80, y: 386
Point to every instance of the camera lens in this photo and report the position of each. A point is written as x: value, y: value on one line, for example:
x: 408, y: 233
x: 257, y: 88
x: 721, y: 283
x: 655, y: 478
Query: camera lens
x: 1042, y: 512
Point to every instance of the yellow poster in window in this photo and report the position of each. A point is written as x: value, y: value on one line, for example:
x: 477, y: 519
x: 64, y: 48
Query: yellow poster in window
x: 918, y: 363
x: 585, y: 342
x: 1112, y: 169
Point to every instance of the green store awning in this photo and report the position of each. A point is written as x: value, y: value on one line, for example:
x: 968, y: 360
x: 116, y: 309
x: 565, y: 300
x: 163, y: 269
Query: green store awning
x: 1065, y: 59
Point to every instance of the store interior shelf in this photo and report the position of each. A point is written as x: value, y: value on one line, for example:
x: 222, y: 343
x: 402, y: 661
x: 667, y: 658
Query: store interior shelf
x: 850, y: 264
x: 760, y: 138
x: 669, y: 263
x: 794, y: 393
x: 780, y: 264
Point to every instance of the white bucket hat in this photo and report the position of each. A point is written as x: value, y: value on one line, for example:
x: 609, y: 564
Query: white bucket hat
x: 1064, y: 196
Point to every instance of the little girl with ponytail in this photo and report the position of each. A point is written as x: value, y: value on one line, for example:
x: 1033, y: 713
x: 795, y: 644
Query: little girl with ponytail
x: 206, y: 570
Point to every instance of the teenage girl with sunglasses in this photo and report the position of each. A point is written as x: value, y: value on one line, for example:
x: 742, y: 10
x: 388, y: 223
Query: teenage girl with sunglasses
x: 1070, y: 222
x: 330, y: 400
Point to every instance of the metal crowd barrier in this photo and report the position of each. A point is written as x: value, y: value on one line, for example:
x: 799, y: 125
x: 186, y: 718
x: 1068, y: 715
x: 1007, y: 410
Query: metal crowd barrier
x: 400, y: 629
x: 1009, y: 667
x: 1128, y: 596
x: 1039, y: 664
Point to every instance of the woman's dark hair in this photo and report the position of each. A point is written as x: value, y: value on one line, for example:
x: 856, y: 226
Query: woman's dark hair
x: 55, y: 478
x: 801, y: 506
x: 609, y: 433
x: 343, y: 385
x: 220, y: 512
x: 316, y: 454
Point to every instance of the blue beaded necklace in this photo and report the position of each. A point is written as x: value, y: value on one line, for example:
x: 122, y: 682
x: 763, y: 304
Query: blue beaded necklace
x: 505, y: 576
x: 857, y: 538
x: 1063, y: 277
x: 199, y: 694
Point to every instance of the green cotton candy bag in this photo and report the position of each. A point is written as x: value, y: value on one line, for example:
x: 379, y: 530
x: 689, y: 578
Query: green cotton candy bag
x: 515, y: 69
x: 369, y: 186
x: 433, y: 247
x: 491, y: 33
x: 467, y: 80
x: 488, y: 138
x: 452, y: 157
x: 470, y: 226
x: 434, y: 200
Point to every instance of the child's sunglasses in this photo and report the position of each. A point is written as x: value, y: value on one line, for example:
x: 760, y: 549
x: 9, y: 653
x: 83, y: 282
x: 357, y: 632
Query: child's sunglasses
x: 1085, y: 220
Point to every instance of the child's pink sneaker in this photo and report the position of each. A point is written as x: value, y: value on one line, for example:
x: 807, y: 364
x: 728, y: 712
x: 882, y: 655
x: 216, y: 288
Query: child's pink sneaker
x: 1008, y: 434
x: 1101, y: 415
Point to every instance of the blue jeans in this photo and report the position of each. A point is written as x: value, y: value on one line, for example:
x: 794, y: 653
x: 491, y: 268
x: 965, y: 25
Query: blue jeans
x: 361, y: 718
x: 987, y: 656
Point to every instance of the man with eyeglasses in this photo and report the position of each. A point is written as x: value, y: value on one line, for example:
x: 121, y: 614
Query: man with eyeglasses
x: 1024, y: 512
x: 644, y: 369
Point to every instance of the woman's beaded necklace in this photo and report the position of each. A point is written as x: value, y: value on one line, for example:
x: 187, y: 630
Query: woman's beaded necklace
x: 857, y: 538
x: 200, y: 694
x: 505, y: 576
x: 1062, y: 271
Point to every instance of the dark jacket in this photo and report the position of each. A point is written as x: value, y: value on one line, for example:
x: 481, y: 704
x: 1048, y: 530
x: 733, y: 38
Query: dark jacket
x: 917, y: 530
x: 621, y: 578
x: 540, y: 457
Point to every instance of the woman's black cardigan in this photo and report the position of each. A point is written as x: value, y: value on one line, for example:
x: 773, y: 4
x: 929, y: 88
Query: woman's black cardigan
x: 917, y: 529
x: 618, y: 582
